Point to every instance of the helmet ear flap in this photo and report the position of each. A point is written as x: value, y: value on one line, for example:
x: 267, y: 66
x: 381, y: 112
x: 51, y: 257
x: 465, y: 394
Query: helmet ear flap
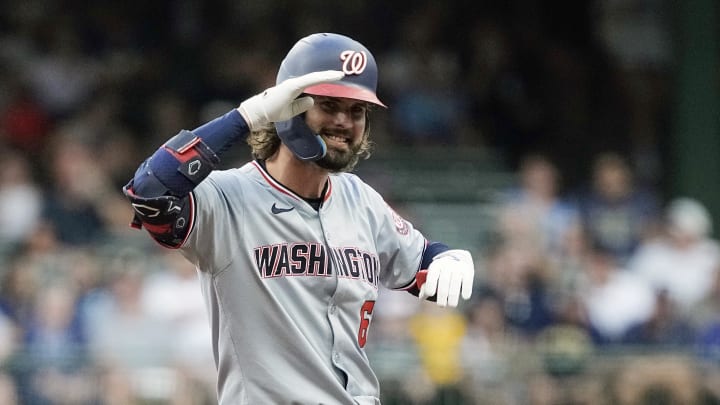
x: 300, y: 139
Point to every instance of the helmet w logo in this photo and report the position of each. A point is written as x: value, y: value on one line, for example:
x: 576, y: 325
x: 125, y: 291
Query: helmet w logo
x: 354, y: 62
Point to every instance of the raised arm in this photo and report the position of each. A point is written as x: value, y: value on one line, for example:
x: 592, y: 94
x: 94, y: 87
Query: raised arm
x: 160, y: 189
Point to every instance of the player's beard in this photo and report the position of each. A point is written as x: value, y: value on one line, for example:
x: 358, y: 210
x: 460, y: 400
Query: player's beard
x: 340, y: 160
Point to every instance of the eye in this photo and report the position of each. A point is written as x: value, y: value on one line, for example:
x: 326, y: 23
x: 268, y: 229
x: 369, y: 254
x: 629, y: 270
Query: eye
x: 358, y: 110
x: 328, y: 105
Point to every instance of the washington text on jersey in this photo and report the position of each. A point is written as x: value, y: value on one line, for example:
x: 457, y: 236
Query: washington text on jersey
x: 311, y: 259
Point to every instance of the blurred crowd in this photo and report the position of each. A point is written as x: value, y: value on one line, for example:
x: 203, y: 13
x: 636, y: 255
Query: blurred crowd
x: 606, y: 294
x: 597, y: 286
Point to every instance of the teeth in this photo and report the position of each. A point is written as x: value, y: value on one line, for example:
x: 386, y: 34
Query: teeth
x: 336, y: 138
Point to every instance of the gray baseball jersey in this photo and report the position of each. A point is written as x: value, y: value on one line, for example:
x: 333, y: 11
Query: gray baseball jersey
x: 290, y: 290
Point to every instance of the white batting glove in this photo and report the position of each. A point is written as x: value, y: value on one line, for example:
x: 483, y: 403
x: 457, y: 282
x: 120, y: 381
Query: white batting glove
x: 450, y: 274
x: 280, y: 103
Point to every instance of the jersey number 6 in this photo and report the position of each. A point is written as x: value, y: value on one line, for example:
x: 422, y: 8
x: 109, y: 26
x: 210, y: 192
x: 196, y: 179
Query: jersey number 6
x: 365, y: 317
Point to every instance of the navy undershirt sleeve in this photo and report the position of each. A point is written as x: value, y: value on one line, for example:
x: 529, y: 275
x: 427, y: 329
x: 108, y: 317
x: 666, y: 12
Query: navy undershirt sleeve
x: 159, y: 174
x: 222, y: 132
x: 433, y: 249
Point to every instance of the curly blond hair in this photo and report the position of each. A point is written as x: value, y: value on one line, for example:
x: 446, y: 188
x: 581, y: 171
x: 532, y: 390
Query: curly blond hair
x: 264, y: 142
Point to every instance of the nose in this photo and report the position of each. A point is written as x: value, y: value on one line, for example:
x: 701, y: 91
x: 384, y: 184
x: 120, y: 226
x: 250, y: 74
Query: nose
x: 342, y: 119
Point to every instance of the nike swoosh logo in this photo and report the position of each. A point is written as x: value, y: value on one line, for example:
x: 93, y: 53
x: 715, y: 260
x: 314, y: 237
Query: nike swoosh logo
x: 276, y: 210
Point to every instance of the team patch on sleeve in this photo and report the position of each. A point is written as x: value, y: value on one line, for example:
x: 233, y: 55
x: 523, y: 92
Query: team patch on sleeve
x: 401, y: 225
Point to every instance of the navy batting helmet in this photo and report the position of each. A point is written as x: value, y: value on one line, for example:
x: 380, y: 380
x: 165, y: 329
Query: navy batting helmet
x: 319, y: 52
x: 327, y: 51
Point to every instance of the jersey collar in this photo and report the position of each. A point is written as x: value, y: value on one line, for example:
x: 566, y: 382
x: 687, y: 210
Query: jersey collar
x: 260, y: 166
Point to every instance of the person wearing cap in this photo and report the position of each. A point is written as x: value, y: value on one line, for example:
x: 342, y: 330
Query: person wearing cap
x: 291, y: 247
x: 684, y: 261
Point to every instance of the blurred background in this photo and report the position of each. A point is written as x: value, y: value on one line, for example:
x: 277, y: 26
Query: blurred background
x: 571, y: 145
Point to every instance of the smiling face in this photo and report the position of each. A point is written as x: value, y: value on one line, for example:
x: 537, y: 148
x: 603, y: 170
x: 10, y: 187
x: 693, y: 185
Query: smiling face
x: 342, y: 123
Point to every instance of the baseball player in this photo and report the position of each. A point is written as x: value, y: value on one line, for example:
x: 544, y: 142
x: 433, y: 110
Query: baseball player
x: 291, y: 247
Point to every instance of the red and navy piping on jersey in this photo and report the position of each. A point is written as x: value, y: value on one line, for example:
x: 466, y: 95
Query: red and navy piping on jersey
x: 281, y: 188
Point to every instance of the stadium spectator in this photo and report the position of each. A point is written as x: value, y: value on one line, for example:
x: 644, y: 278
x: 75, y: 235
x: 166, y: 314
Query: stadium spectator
x: 73, y: 201
x: 61, y: 75
x: 614, y: 299
x: 128, y: 344
x: 170, y: 295
x: 438, y: 333
x: 489, y: 350
x: 56, y: 350
x: 533, y: 215
x: 685, y: 260
x: 429, y: 106
x: 617, y: 213
x: 20, y: 201
x: 24, y: 124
